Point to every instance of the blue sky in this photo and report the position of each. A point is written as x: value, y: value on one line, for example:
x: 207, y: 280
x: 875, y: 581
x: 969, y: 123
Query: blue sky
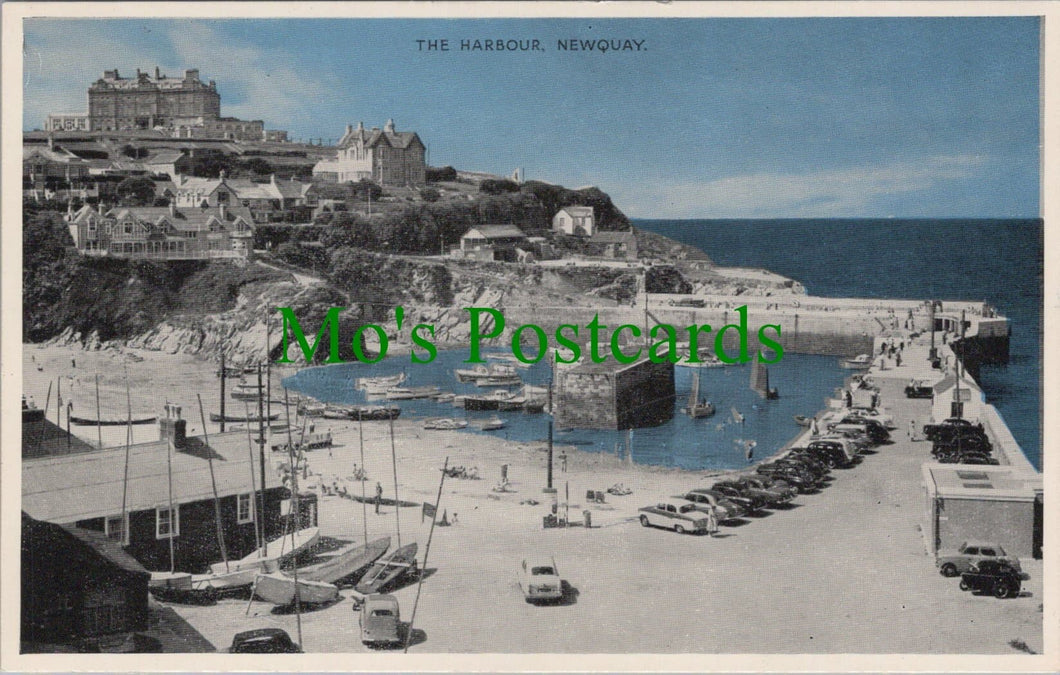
x: 905, y: 117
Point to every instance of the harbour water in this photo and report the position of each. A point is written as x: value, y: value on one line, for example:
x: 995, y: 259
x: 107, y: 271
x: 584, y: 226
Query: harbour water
x: 717, y: 442
x: 1000, y: 261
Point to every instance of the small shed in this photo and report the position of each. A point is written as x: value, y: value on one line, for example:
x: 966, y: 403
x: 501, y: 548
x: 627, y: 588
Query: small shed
x: 957, y: 399
x: 998, y: 504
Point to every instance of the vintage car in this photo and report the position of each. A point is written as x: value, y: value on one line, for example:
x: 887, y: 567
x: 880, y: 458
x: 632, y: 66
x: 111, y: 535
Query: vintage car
x: 949, y: 426
x: 681, y: 517
x: 816, y: 460
x: 867, y: 412
x: 790, y: 474
x: 779, y: 493
x: 952, y: 563
x: 759, y: 498
x: 723, y: 508
x: 380, y: 620
x: 918, y: 389
x: 971, y: 456
x: 997, y: 577
x: 264, y: 641
x: 834, y: 446
x: 873, y: 429
x: 540, y: 580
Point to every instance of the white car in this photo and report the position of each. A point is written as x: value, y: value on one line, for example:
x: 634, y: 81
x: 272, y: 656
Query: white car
x: 540, y: 580
x: 680, y: 517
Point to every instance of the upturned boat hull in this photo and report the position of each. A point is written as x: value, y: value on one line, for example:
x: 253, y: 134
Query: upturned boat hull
x: 388, y: 570
x: 279, y: 589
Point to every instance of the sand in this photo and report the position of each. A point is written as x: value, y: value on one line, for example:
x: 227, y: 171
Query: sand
x: 841, y: 571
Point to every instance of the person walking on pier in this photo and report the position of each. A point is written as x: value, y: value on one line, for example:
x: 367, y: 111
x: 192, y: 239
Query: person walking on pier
x: 712, y: 520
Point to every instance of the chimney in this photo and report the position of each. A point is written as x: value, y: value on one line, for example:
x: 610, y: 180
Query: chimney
x: 349, y: 128
x: 360, y: 126
x: 223, y: 211
x: 172, y: 428
x: 158, y: 73
x: 389, y: 128
x: 172, y: 208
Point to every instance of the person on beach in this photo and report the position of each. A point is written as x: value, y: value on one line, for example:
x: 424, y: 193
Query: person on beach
x: 712, y: 520
x: 378, y: 496
x: 912, y: 430
x: 898, y: 360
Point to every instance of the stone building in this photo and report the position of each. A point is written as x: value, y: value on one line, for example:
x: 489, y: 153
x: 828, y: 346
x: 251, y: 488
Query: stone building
x: 388, y: 157
x: 118, y: 103
x: 615, y: 396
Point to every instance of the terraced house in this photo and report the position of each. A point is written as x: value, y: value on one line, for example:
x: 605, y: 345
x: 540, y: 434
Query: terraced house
x: 163, y: 233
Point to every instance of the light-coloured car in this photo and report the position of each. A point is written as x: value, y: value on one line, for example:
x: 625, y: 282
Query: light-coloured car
x: 952, y: 563
x: 380, y: 621
x: 540, y: 580
x: 680, y: 517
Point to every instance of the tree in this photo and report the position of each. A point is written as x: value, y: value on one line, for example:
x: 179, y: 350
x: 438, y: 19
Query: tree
x: 497, y: 187
x: 365, y: 189
x: 136, y: 191
x: 256, y: 166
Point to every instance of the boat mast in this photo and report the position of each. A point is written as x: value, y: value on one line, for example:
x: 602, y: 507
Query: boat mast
x: 426, y: 552
x: 253, y: 480
x: 294, y: 507
x: 364, y: 498
x: 261, y: 457
x: 169, y: 474
x: 128, y: 442
x: 222, y: 394
x: 397, y: 502
x: 99, y: 427
x: 213, y: 484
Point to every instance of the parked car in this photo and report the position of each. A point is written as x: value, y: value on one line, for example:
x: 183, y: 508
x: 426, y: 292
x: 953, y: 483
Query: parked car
x: 998, y: 577
x: 976, y: 458
x: 956, y: 444
x: 946, y: 426
x: 681, y: 517
x: 380, y: 620
x: 951, y: 563
x: 540, y: 580
x: 800, y: 480
x: 873, y: 414
x: 874, y: 429
x: 745, y: 504
x: 816, y: 468
x: 774, y: 494
x: 802, y: 468
x: 849, y: 451
x: 723, y: 508
x: 918, y: 389
x: 770, y: 483
x: 759, y: 499
x: 264, y: 641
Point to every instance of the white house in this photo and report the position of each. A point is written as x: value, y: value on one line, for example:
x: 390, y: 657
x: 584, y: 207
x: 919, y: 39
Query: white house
x: 575, y: 220
x: 967, y: 402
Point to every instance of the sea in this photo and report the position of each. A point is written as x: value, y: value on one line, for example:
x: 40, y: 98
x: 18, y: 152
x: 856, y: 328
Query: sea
x: 918, y: 259
x: 997, y: 260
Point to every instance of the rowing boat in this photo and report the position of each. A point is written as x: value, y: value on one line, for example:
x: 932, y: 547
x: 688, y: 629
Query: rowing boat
x: 84, y: 421
x: 388, y: 570
x: 279, y: 589
x: 269, y: 556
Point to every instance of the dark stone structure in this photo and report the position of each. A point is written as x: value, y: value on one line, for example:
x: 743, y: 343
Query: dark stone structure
x: 613, y: 395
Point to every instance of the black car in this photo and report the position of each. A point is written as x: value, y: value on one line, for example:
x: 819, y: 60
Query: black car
x: 789, y: 474
x: 264, y: 641
x: 992, y: 576
x: 813, y: 470
x: 829, y: 452
x: 876, y: 431
x: 819, y: 467
x: 962, y: 445
x: 734, y: 492
x: 762, y: 498
x: 970, y: 457
x: 919, y: 390
x: 784, y: 491
x: 950, y: 426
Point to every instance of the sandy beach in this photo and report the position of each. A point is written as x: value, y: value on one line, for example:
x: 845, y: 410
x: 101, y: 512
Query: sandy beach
x: 841, y: 571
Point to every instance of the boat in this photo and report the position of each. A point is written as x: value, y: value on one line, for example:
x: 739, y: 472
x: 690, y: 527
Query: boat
x: 498, y: 381
x: 760, y: 381
x: 337, y: 412
x: 222, y: 581
x: 492, y: 424
x: 706, y: 360
x: 279, y: 589
x: 490, y: 401
x: 84, y: 421
x: 513, y: 403
x: 444, y: 397
x: 803, y: 420
x: 247, y: 392
x: 388, y: 569
x: 179, y: 587
x: 408, y: 393
x: 444, y: 423
x: 272, y: 554
x: 345, y: 563
x: 379, y: 384
x: 534, y: 406
x: 859, y: 362
x: 375, y: 412
x: 481, y: 372
x: 697, y: 407
x: 216, y: 417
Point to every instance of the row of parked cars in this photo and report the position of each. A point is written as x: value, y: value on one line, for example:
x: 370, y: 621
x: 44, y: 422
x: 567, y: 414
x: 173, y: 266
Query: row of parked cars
x: 802, y: 470
x: 957, y: 441
x: 984, y: 567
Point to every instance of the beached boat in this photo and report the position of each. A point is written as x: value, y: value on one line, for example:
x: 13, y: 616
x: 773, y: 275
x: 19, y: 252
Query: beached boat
x: 84, y: 421
x: 697, y: 407
x: 345, y: 563
x: 178, y: 587
x: 444, y: 423
x: 279, y: 589
x: 247, y: 392
x: 388, y: 570
x: 223, y: 580
x: 272, y: 554
x: 492, y: 424
x: 216, y: 417
x: 861, y: 361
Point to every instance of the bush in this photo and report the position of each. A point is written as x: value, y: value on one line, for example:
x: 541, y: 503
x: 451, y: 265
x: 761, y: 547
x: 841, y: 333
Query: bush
x: 136, y: 191
x: 430, y: 195
x: 497, y: 187
x: 444, y: 174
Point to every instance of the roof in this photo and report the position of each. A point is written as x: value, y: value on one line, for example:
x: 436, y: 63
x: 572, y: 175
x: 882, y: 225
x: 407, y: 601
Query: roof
x: 186, y: 218
x: 69, y: 488
x: 608, y: 366
x: 986, y: 482
x: 947, y: 383
x: 496, y: 231
x: 613, y: 237
x: 51, y: 154
x: 373, y: 137
x: 164, y: 157
x: 577, y: 210
x: 98, y: 542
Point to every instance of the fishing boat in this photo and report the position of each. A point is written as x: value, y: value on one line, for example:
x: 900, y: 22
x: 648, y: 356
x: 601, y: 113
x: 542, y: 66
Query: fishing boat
x: 444, y: 423
x: 760, y: 381
x: 337, y: 412
x: 280, y: 589
x: 312, y: 409
x: 216, y: 417
x: 492, y: 424
x: 481, y: 372
x: 388, y: 570
x: 490, y: 401
x: 272, y: 554
x: 697, y: 407
x: 859, y: 362
x: 534, y: 406
x: 513, y: 403
x: 499, y: 381
x: 84, y: 421
x: 375, y: 412
x: 444, y: 397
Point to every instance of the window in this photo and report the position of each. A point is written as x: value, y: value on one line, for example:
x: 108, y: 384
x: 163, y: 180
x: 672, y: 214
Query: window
x: 988, y: 551
x: 245, y: 508
x: 972, y: 550
x: 167, y: 523
x: 116, y: 528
